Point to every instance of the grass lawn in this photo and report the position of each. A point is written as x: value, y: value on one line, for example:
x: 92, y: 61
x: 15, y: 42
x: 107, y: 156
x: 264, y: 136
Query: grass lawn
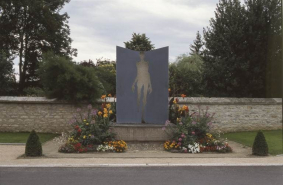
x: 273, y: 139
x: 10, y: 137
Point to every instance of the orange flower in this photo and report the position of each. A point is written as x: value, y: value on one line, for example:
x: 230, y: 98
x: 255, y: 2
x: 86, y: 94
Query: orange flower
x: 103, y: 96
x: 169, y: 89
x: 186, y: 108
x: 109, y: 95
x: 183, y: 95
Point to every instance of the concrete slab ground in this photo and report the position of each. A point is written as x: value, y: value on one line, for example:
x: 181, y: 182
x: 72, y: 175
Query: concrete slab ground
x: 241, y: 156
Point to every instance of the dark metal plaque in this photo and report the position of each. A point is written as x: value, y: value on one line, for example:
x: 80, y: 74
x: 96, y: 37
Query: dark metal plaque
x: 142, y: 86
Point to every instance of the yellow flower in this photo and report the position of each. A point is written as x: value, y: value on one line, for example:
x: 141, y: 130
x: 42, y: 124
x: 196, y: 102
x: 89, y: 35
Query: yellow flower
x: 84, y: 120
x: 178, y: 119
x: 174, y: 101
x: 108, y: 106
x: 105, y: 111
x: 87, y: 123
x: 110, y: 112
x: 103, y: 96
x: 89, y: 135
x: 99, y: 113
x: 105, y: 115
x: 84, y: 136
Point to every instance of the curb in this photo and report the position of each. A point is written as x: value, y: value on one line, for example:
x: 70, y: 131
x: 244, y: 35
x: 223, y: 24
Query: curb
x: 137, y: 165
x: 12, y: 143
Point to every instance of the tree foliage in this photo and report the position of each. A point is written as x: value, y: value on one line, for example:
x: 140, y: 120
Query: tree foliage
x: 7, y: 77
x: 242, y: 47
x: 63, y: 79
x: 30, y: 28
x: 106, y: 73
x: 139, y: 43
x: 197, y: 45
x: 185, y: 76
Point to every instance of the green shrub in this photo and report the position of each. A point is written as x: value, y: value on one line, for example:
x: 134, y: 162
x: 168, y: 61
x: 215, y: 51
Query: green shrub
x: 63, y: 79
x: 260, y: 146
x: 34, y: 92
x: 33, y: 145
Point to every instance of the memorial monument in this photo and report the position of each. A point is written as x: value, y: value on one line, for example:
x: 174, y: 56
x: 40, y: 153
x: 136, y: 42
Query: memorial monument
x: 142, y: 86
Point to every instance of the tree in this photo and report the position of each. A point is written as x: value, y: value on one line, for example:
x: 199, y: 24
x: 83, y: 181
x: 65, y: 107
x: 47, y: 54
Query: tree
x: 31, y: 27
x: 139, y: 43
x: 185, y: 76
x: 241, y: 47
x: 7, y: 77
x: 63, y: 79
x: 197, y: 45
x: 106, y: 73
x: 225, y: 70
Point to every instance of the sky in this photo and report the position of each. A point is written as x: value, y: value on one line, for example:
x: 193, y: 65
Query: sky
x: 98, y: 26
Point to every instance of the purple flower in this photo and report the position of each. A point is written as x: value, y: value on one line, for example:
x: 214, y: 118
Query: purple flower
x: 180, y: 123
x: 78, y: 110
x: 194, y: 122
x: 179, y: 143
x: 94, y: 111
x: 209, y: 124
x: 183, y: 135
x: 167, y: 122
x: 89, y: 106
x: 180, y: 139
x: 163, y: 128
x: 92, y: 136
x: 193, y: 133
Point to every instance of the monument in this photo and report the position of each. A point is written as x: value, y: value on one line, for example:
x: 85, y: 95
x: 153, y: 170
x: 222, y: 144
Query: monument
x: 142, y: 86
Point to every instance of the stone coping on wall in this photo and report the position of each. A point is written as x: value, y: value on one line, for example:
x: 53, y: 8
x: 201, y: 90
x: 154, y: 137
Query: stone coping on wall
x: 186, y: 100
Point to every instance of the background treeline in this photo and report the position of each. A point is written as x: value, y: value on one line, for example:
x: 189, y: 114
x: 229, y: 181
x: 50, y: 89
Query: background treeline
x: 238, y: 55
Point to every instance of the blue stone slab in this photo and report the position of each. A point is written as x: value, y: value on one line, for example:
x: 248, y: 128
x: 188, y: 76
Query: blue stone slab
x: 146, y: 74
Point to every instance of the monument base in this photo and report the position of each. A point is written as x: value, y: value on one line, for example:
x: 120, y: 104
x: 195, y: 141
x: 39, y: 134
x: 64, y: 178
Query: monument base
x: 140, y: 132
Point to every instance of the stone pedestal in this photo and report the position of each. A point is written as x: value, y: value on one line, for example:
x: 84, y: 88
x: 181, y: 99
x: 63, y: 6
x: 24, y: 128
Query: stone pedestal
x: 140, y: 132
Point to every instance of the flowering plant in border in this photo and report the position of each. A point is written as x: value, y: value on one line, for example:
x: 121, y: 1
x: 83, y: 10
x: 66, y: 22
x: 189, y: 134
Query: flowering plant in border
x: 72, y: 146
x: 119, y: 145
x: 191, y: 131
x: 105, y: 148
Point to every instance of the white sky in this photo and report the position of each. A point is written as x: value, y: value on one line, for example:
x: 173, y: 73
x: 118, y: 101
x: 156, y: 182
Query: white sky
x: 98, y: 26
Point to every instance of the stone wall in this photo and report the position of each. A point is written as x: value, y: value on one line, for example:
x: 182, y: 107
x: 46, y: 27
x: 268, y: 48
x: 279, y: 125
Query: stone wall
x: 20, y: 114
x: 240, y: 114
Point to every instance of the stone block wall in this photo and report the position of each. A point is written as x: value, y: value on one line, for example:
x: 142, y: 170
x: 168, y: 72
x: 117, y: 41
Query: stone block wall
x: 21, y: 114
x: 240, y: 114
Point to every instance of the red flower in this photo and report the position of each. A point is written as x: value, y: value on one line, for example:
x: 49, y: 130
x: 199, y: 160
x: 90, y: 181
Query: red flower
x: 183, y: 95
x: 77, y: 127
x: 177, y: 100
x: 79, y: 130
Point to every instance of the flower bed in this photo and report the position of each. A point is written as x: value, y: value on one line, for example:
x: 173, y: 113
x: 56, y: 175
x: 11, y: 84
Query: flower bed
x: 191, y: 131
x: 91, y: 131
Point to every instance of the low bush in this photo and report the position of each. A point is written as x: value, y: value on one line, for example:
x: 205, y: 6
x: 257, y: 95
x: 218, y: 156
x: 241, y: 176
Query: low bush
x: 33, y: 145
x: 260, y: 146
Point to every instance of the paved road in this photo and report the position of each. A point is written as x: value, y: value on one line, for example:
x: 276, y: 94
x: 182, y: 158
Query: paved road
x: 251, y: 175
